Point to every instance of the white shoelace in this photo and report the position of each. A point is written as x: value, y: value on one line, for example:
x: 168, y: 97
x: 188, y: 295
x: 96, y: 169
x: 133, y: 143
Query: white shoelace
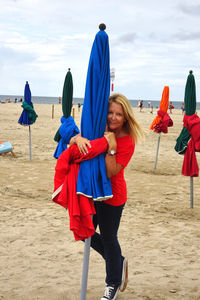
x: 108, y: 290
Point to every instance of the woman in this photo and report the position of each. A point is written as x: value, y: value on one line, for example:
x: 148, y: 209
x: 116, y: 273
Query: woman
x: 122, y: 133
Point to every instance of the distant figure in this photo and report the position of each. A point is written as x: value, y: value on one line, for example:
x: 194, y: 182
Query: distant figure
x: 79, y: 106
x: 183, y: 108
x: 141, y: 105
x: 59, y: 100
x: 149, y: 104
x: 15, y: 100
x: 171, y: 107
x: 21, y: 100
x: 151, y: 109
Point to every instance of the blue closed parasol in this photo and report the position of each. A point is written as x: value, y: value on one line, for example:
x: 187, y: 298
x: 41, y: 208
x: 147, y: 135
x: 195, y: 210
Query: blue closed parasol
x: 28, y: 116
x: 92, y: 180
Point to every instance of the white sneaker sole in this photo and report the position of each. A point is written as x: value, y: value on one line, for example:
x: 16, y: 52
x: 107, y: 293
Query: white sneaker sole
x: 124, y: 275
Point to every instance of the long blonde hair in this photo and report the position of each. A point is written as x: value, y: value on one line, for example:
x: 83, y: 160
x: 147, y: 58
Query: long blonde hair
x: 131, y: 126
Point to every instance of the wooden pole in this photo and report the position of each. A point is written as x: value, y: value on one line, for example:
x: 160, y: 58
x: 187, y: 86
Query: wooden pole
x: 73, y: 112
x: 52, y: 111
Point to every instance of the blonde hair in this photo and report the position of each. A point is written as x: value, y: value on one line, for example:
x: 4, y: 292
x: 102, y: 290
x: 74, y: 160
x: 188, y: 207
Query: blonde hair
x: 131, y: 126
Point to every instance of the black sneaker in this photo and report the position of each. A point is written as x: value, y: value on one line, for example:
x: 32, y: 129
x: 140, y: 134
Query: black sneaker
x: 110, y: 292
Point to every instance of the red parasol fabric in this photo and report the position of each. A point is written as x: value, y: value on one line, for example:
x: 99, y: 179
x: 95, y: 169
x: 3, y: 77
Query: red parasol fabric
x: 190, y: 166
x: 162, y: 121
x: 80, y: 207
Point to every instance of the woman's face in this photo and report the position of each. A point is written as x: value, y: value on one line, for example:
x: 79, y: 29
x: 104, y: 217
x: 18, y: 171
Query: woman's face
x: 115, y: 117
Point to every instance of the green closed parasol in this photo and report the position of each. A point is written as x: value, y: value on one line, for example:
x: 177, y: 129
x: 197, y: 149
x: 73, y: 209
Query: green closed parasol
x: 190, y: 95
x: 67, y: 95
x: 184, y: 139
x: 67, y: 98
x: 190, y: 109
x: 68, y: 127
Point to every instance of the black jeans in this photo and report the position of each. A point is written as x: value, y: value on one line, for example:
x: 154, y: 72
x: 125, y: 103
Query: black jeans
x: 106, y: 243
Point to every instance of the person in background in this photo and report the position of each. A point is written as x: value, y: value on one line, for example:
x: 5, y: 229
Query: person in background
x: 183, y: 108
x: 122, y: 133
x: 171, y: 107
x: 141, y: 105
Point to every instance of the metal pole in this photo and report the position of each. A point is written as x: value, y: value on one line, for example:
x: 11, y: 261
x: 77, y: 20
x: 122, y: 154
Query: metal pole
x: 191, y: 192
x: 157, y: 151
x: 85, y: 268
x: 30, y: 142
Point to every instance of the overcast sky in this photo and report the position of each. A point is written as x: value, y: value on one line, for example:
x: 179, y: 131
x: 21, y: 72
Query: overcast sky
x: 153, y: 43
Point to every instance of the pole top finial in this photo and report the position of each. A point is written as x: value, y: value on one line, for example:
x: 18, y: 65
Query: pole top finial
x: 102, y: 26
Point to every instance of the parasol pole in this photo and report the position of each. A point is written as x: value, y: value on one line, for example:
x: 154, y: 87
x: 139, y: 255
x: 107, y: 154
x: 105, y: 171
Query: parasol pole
x: 30, y: 142
x: 86, y: 258
x: 191, y: 192
x: 157, y: 151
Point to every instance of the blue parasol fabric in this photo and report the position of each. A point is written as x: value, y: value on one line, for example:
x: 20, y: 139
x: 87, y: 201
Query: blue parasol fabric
x: 67, y: 130
x: 92, y: 180
x: 28, y: 116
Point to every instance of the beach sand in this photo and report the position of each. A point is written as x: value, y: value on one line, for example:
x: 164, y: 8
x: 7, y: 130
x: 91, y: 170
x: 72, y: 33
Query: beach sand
x: 159, y: 232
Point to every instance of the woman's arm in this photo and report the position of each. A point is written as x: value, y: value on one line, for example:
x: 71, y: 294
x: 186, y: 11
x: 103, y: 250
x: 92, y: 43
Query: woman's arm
x: 112, y: 167
x: 81, y: 142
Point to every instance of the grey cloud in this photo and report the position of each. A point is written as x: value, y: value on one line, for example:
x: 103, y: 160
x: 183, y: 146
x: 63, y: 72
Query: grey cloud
x: 180, y: 35
x: 10, y: 56
x: 190, y: 9
x: 186, y: 36
x: 127, y: 38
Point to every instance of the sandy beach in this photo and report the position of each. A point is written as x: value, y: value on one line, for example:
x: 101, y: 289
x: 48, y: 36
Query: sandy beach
x: 159, y: 232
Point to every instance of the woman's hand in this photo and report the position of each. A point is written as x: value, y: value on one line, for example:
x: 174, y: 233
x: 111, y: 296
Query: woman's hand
x: 111, y: 139
x: 82, y: 144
